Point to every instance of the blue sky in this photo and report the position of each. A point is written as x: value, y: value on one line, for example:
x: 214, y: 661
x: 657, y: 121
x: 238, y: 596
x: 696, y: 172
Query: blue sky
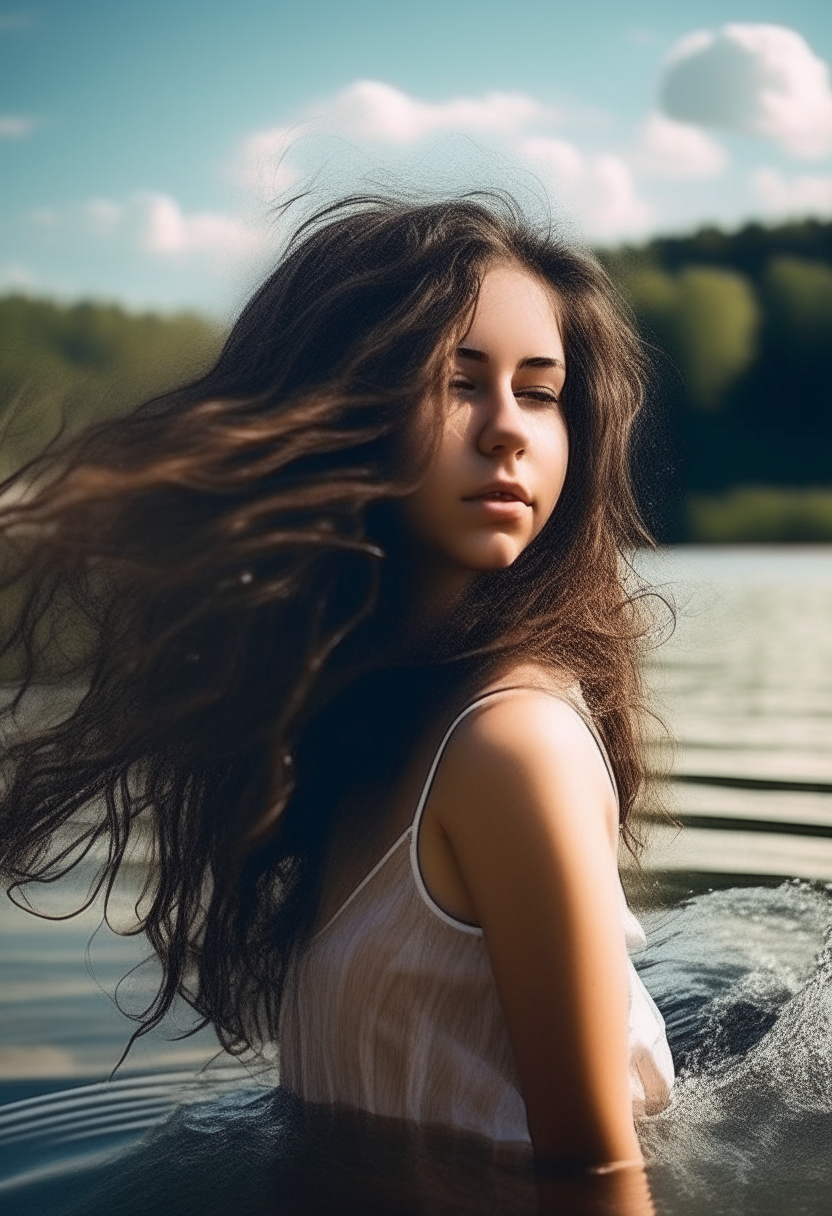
x: 142, y: 145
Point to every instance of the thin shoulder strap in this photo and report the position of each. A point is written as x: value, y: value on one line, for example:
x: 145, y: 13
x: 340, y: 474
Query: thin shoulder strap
x: 428, y: 783
x: 413, y: 830
x: 584, y: 715
x: 581, y: 710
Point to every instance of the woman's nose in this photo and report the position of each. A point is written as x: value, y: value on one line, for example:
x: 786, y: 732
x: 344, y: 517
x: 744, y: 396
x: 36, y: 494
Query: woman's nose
x: 504, y: 426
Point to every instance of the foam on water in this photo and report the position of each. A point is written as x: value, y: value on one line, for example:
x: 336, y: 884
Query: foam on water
x: 743, y: 976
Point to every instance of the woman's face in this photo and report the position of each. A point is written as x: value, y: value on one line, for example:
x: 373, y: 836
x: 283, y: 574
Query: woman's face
x: 500, y: 465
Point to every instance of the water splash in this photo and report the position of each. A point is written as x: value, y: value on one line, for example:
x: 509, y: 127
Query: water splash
x: 749, y: 1129
x: 744, y: 978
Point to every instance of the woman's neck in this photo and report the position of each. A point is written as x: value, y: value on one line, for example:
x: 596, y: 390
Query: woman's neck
x: 430, y: 589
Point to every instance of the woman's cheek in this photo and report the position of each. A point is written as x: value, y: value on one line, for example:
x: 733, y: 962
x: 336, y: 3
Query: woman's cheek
x: 557, y: 465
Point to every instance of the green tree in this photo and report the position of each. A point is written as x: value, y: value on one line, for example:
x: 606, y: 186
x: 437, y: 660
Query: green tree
x: 718, y: 319
x: 74, y: 364
x: 707, y: 318
x: 798, y: 297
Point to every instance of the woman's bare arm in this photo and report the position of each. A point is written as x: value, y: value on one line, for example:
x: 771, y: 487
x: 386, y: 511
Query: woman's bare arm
x: 527, y: 806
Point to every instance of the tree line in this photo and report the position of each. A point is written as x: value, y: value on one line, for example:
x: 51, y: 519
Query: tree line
x: 736, y: 442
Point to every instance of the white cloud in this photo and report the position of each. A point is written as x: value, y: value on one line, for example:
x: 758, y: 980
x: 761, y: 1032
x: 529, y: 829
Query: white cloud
x: 798, y: 196
x: 677, y: 150
x: 761, y: 80
x: 155, y: 223
x: 565, y: 164
x: 16, y: 126
x: 598, y: 188
x: 372, y: 110
x: 263, y: 163
x: 166, y: 229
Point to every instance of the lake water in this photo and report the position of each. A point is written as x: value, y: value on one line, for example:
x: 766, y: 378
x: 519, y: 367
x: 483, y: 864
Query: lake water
x: 737, y: 904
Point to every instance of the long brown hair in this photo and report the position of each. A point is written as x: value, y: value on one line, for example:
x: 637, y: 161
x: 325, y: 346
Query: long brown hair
x: 227, y: 555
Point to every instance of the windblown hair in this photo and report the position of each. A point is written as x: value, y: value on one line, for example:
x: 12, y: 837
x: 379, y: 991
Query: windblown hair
x: 229, y: 554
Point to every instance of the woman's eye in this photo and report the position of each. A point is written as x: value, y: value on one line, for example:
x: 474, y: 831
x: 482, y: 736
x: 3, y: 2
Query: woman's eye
x: 461, y: 385
x: 539, y: 394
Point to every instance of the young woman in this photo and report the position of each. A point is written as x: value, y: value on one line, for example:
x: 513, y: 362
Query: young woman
x: 360, y: 664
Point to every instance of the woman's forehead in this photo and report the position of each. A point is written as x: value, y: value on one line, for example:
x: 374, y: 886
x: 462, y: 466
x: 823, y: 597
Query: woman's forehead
x: 515, y: 309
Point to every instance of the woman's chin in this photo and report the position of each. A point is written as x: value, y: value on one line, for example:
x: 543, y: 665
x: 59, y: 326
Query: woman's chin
x: 495, y: 556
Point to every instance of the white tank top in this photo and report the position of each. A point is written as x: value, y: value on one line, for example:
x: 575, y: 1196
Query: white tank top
x: 392, y: 1008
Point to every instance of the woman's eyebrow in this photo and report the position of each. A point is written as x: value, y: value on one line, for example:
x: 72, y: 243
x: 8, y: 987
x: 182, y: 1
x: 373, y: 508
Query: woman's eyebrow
x: 541, y: 361
x: 480, y: 356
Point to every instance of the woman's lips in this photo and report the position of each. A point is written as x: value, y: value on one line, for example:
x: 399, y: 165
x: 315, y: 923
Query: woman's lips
x: 498, y: 505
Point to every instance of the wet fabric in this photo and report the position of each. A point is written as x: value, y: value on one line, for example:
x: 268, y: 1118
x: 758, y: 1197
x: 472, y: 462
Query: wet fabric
x: 392, y: 1007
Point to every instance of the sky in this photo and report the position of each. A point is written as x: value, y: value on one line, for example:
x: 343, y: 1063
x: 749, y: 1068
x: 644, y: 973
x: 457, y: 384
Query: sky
x: 145, y: 146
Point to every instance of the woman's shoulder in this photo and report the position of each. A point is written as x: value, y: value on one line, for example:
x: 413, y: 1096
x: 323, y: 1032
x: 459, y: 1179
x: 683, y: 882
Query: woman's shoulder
x: 528, y: 746
x: 534, y: 726
x: 534, y: 677
x: 529, y: 710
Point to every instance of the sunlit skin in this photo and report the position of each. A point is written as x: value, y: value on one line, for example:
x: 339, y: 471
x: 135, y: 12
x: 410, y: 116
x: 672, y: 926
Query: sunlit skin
x: 504, y: 432
x: 520, y: 831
